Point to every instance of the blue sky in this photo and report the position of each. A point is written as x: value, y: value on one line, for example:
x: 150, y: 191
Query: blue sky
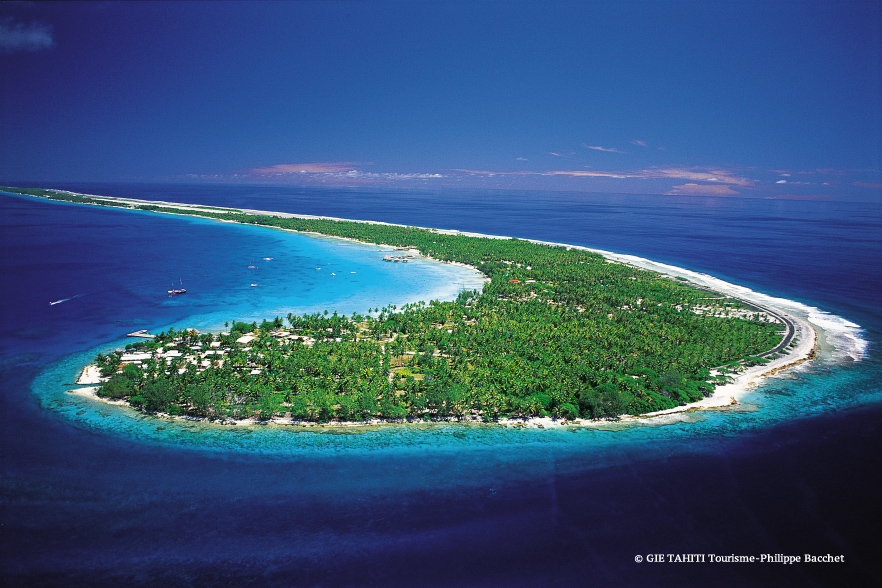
x: 765, y: 99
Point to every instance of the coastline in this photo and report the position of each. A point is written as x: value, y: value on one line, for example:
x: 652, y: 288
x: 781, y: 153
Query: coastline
x: 723, y: 396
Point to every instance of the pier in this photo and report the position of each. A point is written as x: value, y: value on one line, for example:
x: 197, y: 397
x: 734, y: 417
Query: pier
x: 142, y: 333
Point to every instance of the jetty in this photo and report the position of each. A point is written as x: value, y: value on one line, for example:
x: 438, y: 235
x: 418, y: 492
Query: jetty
x: 142, y: 333
x: 399, y: 258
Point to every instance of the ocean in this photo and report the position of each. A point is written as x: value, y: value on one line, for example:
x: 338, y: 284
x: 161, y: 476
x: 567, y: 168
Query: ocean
x: 96, y: 495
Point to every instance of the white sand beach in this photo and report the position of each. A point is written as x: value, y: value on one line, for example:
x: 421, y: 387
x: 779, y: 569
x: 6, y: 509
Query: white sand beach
x: 90, y: 376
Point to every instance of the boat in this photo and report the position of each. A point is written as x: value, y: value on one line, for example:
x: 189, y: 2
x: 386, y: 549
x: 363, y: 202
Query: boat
x: 175, y: 291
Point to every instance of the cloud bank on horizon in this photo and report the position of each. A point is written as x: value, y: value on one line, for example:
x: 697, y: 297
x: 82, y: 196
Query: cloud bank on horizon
x: 663, y: 181
x: 306, y: 168
x: 600, y: 96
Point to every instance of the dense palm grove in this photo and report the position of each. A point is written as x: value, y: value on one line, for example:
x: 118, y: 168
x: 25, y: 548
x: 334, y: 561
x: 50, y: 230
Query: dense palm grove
x: 555, y: 331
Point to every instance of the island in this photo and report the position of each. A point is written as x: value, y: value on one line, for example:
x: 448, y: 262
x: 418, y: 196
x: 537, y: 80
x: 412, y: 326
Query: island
x: 557, y: 331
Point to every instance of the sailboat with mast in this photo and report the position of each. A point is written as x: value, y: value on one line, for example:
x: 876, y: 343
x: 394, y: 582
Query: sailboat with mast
x: 175, y: 291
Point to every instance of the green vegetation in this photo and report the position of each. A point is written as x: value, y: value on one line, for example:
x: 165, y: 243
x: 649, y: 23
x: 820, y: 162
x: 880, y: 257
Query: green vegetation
x: 65, y: 196
x: 556, y: 331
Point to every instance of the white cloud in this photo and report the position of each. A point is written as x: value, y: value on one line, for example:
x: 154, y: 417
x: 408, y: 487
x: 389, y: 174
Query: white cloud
x: 781, y: 182
x: 521, y: 159
x: 16, y: 36
x: 703, y: 176
x: 309, y: 168
x: 335, y: 169
x: 639, y: 142
x: 604, y: 149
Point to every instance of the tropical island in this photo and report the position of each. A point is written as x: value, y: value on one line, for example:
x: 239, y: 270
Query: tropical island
x: 557, y: 331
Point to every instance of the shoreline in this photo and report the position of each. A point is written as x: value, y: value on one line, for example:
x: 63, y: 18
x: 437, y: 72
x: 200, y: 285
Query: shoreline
x: 724, y: 396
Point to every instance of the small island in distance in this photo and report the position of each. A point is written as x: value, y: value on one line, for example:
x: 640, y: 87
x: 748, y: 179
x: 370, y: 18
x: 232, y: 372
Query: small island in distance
x: 557, y: 331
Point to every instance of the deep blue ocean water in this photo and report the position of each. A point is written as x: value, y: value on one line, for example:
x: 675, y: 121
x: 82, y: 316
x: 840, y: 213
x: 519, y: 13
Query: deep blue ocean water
x: 94, y: 495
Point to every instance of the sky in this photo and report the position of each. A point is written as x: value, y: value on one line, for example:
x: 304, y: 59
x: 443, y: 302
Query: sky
x: 772, y: 99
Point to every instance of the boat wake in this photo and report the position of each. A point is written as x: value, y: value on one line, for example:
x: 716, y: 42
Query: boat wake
x: 65, y: 299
